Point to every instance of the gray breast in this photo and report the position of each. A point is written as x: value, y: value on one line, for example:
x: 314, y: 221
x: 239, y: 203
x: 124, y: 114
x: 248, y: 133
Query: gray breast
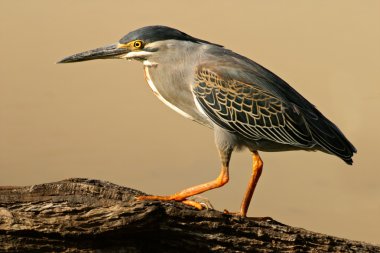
x: 173, y: 88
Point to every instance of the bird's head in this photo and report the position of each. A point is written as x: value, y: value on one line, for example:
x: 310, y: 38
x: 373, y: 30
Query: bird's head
x: 140, y: 44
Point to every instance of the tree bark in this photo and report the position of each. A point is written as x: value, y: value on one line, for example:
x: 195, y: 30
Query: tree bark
x: 82, y: 215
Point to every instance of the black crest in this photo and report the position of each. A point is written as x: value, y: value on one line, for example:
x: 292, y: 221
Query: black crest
x: 157, y: 33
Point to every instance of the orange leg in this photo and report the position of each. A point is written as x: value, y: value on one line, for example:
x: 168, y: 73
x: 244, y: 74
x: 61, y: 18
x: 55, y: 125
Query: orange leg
x: 257, y: 168
x: 221, y: 180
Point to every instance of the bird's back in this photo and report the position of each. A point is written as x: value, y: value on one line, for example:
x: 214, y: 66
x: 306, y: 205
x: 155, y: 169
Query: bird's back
x: 324, y: 135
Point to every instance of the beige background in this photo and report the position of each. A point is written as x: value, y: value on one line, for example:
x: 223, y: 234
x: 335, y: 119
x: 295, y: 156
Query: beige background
x: 100, y: 120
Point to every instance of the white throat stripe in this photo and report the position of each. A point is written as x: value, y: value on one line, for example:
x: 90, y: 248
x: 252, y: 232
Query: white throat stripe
x: 136, y: 54
x: 157, y: 93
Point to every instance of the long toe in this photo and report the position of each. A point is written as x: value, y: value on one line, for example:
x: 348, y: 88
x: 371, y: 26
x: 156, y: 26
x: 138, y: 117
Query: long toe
x: 234, y: 213
x: 194, y: 204
x: 151, y: 197
x: 187, y: 202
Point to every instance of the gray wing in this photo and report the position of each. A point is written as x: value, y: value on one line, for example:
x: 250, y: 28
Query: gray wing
x: 249, y: 110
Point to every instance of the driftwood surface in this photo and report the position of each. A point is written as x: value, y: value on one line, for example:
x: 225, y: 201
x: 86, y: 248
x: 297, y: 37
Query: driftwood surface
x: 82, y: 215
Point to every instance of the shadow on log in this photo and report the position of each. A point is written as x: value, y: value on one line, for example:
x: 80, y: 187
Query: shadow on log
x: 81, y: 215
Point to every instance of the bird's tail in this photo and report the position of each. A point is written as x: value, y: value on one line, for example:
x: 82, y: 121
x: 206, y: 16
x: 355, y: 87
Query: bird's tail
x: 328, y: 136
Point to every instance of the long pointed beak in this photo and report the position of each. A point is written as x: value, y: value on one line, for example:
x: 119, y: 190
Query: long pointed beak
x: 107, y: 52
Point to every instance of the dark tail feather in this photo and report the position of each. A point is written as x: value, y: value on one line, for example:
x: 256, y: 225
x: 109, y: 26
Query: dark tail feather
x: 329, y: 137
x: 348, y: 161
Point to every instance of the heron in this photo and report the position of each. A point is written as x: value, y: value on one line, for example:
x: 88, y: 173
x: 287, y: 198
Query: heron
x: 245, y: 104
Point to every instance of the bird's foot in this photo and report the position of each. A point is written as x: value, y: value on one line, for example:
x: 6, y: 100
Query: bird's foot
x: 266, y: 218
x: 192, y: 203
x: 234, y: 213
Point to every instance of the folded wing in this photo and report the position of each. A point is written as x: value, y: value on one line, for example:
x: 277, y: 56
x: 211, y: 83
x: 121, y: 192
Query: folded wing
x: 250, y: 109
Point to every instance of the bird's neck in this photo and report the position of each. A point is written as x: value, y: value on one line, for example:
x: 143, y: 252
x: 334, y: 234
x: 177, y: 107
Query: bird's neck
x: 172, y: 83
x: 148, y: 63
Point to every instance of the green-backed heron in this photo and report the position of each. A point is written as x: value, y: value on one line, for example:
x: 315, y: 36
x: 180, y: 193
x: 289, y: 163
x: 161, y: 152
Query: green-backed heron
x: 244, y: 103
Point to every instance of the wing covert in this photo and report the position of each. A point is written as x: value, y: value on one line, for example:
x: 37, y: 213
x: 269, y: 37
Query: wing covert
x: 249, y: 111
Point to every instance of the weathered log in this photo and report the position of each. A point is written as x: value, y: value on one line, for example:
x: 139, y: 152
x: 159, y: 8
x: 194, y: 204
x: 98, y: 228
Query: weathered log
x: 81, y: 215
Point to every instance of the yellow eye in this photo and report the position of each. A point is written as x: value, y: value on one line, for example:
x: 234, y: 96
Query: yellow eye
x: 137, y: 44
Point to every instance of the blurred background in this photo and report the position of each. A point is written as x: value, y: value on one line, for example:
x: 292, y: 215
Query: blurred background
x: 94, y: 119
